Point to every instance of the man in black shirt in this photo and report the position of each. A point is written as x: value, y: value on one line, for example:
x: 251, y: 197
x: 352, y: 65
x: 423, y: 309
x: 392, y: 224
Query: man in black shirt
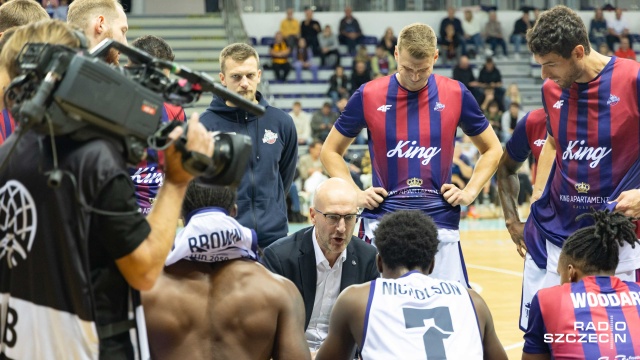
x: 309, y: 30
x: 457, y: 25
x: 490, y: 77
x: 463, y: 73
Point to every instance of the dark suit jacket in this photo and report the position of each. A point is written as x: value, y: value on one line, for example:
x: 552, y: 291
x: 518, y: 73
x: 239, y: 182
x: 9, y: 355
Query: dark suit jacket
x: 294, y: 258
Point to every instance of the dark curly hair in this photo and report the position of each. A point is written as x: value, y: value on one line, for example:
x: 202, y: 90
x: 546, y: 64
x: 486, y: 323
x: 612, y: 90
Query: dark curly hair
x: 559, y: 30
x: 407, y: 238
x: 596, y: 248
x: 201, y: 196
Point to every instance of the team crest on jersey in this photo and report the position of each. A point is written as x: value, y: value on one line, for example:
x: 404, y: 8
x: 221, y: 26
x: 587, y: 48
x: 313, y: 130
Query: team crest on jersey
x: 414, y: 182
x: 19, y: 222
x: 558, y: 104
x: 582, y: 187
x: 269, y: 137
x: 613, y: 100
x: 439, y: 106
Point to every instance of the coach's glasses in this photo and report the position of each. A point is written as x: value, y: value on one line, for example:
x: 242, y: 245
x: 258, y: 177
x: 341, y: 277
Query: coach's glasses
x: 334, y: 219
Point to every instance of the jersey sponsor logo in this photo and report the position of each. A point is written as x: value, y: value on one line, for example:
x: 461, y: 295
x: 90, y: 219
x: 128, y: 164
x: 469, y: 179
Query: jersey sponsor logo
x: 414, y: 182
x: 384, y: 108
x: 601, y: 332
x: 269, y: 137
x: 413, y: 151
x: 595, y: 154
x: 558, y: 104
x: 539, y: 142
x: 582, y: 187
x: 18, y: 224
x: 147, y: 175
x: 439, y: 106
x: 613, y: 100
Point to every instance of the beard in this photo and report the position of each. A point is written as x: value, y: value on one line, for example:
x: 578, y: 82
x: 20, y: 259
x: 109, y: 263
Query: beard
x: 113, y: 56
x: 571, y: 77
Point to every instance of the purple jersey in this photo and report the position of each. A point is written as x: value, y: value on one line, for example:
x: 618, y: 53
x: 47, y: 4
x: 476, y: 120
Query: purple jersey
x: 597, y: 317
x: 596, y: 127
x: 528, y: 138
x: 7, y: 125
x: 148, y: 175
x: 411, y: 140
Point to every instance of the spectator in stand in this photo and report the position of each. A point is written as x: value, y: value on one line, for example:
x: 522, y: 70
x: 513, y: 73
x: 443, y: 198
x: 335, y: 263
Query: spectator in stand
x: 451, y: 19
x: 490, y: 77
x: 618, y: 28
x: 449, y: 44
x: 322, y: 122
x: 494, y: 115
x: 309, y: 30
x: 382, y: 63
x: 362, y: 55
x: 463, y: 73
x: 290, y: 29
x: 310, y: 163
x: 520, y: 29
x: 625, y: 51
x: 493, y: 33
x: 350, y: 33
x: 329, y: 46
x: 598, y: 29
x: 359, y: 76
x: 303, y: 59
x: 302, y: 121
x: 512, y: 95
x: 472, y: 27
x: 338, y: 84
x: 604, y: 50
x: 510, y: 119
x: 388, y: 41
x: 280, y: 57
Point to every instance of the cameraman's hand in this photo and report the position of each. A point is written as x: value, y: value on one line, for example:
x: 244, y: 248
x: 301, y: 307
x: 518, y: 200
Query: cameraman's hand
x: 198, y: 140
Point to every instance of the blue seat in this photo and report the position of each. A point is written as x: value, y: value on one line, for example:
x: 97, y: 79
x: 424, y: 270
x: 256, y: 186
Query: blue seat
x: 267, y: 40
x: 254, y: 41
x: 369, y: 40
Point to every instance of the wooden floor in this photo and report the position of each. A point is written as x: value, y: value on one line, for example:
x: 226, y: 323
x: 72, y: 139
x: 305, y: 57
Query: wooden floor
x: 495, y: 270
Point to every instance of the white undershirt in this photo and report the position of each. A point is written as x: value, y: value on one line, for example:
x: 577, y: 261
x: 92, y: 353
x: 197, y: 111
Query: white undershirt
x: 327, y: 291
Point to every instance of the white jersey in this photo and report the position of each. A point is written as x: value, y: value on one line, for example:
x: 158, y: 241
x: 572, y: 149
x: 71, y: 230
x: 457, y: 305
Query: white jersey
x: 419, y: 317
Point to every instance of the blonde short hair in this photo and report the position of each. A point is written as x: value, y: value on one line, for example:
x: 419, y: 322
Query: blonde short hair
x: 82, y: 11
x: 237, y: 52
x: 45, y: 31
x: 419, y: 40
x: 21, y: 12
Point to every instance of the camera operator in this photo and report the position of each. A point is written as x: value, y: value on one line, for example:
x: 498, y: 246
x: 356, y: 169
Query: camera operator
x: 15, y: 13
x: 100, y: 19
x: 71, y: 255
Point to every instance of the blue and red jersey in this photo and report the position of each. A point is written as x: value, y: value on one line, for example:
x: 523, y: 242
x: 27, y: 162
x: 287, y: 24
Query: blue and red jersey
x: 597, y: 317
x: 411, y: 140
x: 149, y: 175
x: 7, y: 125
x: 596, y: 127
x: 528, y: 137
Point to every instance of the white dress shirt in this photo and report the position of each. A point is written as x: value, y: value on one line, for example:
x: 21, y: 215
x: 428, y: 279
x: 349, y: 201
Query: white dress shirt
x: 327, y: 291
x: 302, y: 123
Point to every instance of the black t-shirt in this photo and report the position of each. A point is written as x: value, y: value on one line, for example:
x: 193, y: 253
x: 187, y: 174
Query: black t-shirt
x: 465, y: 76
x: 487, y: 76
x: 112, y: 237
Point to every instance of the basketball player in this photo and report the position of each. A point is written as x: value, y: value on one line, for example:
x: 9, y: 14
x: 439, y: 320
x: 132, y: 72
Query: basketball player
x: 528, y: 138
x: 412, y: 117
x: 213, y: 300
x: 148, y: 175
x: 593, y: 314
x: 408, y: 314
x: 591, y: 102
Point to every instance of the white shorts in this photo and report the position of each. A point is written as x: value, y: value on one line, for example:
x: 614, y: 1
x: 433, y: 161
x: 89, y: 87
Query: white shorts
x: 626, y: 270
x: 532, y: 281
x: 449, y: 262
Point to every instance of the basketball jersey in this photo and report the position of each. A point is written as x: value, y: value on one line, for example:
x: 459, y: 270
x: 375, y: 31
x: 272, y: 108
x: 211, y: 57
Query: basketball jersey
x: 149, y: 175
x: 528, y: 137
x: 411, y: 139
x: 420, y: 317
x: 596, y: 127
x: 7, y: 125
x: 594, y: 318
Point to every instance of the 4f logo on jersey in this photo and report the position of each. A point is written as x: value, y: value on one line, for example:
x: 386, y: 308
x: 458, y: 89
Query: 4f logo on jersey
x: 412, y: 152
x: 558, y: 104
x: 540, y: 142
x: 269, y: 137
x: 613, y: 100
x: 595, y: 154
x: 384, y: 108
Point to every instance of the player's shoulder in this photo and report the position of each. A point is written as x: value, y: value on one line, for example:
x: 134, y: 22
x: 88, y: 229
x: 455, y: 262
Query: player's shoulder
x: 553, y: 294
x: 378, y: 83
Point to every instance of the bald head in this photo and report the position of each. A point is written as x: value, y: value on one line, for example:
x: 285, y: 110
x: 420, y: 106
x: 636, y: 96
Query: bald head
x: 335, y: 190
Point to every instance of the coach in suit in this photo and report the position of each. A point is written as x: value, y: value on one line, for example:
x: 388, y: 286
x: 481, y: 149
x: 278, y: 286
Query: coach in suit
x: 325, y: 258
